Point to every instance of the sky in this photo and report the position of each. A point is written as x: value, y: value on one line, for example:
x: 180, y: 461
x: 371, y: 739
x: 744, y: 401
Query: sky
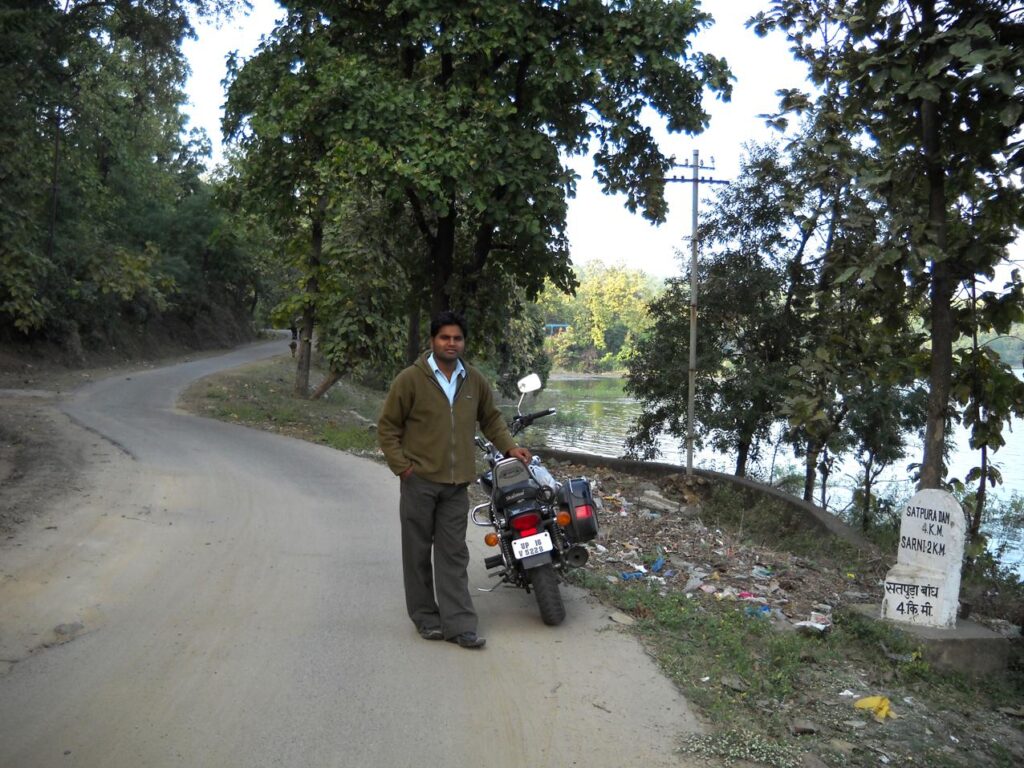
x: 598, y: 227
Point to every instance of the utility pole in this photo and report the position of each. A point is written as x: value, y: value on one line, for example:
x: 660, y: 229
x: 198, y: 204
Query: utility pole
x: 696, y: 180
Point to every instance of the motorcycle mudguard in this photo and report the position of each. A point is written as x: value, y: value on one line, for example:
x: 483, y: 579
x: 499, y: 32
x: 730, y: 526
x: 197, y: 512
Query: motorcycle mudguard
x: 535, y: 560
x: 578, y: 498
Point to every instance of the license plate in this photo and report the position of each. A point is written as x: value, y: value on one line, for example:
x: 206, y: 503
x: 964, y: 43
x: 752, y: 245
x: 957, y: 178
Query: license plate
x: 532, y: 545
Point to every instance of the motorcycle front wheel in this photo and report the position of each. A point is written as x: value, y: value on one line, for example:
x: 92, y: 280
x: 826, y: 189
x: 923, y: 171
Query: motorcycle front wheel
x: 549, y: 599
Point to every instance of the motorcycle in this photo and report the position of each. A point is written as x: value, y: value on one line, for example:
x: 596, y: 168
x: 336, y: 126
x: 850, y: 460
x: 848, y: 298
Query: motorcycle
x: 539, y: 525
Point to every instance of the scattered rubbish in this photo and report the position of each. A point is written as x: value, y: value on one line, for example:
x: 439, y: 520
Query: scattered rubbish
x: 694, y: 582
x: 847, y: 693
x: 704, y: 679
x: 821, y: 618
x: 800, y: 727
x: 760, y: 572
x: 658, y: 565
x: 812, y: 628
x: 879, y: 707
x: 621, y: 618
x: 601, y: 548
x: 708, y: 589
x: 736, y: 683
x: 900, y: 657
x: 954, y: 739
x: 632, y: 575
x: 759, y: 611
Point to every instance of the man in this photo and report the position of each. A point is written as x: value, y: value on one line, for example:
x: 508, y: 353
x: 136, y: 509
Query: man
x: 426, y: 432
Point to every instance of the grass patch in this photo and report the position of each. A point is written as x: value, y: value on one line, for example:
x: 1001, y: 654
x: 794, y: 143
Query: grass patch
x: 260, y: 396
x: 755, y: 679
x: 761, y: 521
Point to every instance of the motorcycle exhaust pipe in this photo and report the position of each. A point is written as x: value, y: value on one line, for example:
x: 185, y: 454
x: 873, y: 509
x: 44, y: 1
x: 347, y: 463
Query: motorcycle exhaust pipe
x: 493, y: 561
x: 576, y: 556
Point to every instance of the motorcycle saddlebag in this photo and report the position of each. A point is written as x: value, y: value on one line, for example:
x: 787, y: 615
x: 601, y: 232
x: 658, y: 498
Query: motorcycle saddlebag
x: 577, y: 496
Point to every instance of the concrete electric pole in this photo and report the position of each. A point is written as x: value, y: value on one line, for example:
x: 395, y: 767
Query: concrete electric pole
x: 696, y: 180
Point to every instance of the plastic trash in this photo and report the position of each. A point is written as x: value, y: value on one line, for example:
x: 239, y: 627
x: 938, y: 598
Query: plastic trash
x: 632, y: 575
x: 658, y: 565
x: 758, y: 611
x: 879, y: 706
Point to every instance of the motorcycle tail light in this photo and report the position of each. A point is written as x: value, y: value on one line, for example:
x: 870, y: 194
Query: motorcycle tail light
x: 491, y: 539
x: 584, y: 511
x: 564, y: 519
x: 526, y: 524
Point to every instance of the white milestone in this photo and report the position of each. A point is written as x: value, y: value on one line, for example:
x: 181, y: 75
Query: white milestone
x: 923, y: 588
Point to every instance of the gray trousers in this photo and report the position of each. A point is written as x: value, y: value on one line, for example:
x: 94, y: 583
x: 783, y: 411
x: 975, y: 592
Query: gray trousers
x: 434, y: 517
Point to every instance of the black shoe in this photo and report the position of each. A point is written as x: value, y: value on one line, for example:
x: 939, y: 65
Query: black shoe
x: 431, y: 633
x: 467, y: 640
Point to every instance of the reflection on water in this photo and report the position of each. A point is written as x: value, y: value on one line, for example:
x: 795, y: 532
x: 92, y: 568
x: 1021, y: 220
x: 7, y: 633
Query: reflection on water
x: 595, y: 416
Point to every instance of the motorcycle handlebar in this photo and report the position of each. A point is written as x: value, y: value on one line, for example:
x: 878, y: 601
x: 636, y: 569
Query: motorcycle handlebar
x: 530, y: 417
x: 523, y: 420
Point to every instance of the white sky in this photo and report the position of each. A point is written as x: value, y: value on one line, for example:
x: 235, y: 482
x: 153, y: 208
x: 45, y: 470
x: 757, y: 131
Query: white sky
x: 599, y: 226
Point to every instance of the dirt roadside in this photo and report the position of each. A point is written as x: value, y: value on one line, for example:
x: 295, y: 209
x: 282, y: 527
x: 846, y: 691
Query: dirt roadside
x: 43, y: 453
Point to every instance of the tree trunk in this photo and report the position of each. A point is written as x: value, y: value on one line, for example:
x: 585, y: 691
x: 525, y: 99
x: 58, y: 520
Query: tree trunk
x: 312, y: 288
x: 810, y: 469
x: 443, y: 262
x: 54, y: 187
x: 329, y: 381
x: 412, y: 347
x: 865, y: 522
x: 942, y: 287
x: 979, y: 500
x: 825, y: 467
x: 742, y: 451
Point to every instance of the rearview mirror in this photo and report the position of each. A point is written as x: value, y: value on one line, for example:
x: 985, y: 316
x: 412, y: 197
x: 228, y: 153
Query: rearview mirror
x: 529, y: 383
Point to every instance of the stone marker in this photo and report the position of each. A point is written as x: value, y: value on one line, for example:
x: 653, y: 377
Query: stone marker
x: 923, y: 588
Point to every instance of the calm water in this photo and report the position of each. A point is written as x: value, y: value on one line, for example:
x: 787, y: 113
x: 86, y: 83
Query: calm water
x: 595, y: 416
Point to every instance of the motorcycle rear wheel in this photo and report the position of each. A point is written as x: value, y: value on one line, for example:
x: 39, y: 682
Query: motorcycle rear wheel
x: 549, y: 598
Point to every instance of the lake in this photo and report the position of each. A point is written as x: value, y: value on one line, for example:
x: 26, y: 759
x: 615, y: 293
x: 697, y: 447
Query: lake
x: 595, y: 415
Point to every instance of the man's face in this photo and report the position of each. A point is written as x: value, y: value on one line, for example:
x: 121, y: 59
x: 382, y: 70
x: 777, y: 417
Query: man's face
x: 449, y: 344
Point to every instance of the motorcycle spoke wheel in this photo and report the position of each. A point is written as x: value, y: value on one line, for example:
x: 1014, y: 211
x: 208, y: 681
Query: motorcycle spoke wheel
x: 549, y: 598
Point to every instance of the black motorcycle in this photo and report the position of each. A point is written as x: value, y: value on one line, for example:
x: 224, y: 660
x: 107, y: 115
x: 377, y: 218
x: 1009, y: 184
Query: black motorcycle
x: 539, y: 524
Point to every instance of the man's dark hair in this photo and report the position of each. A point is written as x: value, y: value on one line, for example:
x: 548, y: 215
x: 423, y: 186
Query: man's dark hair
x: 448, y: 318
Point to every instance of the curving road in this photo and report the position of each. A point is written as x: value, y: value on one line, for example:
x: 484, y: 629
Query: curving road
x: 215, y: 596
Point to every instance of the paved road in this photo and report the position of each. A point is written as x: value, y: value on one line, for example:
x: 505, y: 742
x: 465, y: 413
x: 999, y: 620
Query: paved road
x: 208, y: 595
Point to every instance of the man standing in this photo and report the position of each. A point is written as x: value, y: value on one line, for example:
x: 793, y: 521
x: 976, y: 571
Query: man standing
x: 426, y: 432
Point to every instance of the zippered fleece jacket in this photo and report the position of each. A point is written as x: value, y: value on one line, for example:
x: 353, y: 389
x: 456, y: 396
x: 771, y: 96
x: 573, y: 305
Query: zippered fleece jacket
x: 419, y: 429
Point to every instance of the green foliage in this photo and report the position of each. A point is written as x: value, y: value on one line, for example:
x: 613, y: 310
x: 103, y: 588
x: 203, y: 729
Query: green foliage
x: 453, y: 121
x: 104, y: 218
x: 935, y: 88
x: 606, y: 317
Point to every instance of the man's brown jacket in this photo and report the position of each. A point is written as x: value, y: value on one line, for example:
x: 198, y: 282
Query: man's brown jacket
x: 419, y: 429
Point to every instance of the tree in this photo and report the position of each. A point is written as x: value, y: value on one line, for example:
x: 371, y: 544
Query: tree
x: 606, y: 317
x: 459, y: 114
x: 936, y: 87
x: 94, y: 167
x: 748, y: 332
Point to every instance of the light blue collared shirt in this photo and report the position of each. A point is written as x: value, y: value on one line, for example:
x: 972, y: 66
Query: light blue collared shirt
x: 449, y: 387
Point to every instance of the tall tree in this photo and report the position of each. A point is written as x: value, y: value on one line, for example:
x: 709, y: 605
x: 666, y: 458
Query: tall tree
x: 93, y: 164
x: 461, y: 113
x: 937, y: 87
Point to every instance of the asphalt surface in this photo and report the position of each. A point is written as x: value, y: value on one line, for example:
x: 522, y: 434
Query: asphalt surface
x: 209, y: 595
